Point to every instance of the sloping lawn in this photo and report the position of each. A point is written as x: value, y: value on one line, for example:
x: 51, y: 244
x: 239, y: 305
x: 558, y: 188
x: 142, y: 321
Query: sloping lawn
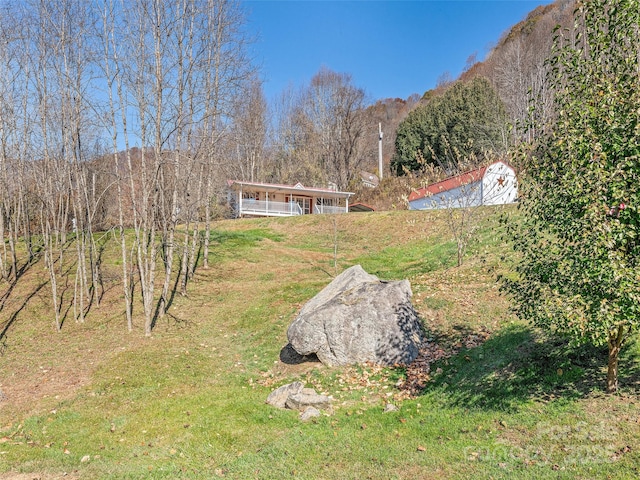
x: 506, y: 401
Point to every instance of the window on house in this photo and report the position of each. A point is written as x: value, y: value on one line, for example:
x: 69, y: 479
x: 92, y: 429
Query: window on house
x: 251, y: 196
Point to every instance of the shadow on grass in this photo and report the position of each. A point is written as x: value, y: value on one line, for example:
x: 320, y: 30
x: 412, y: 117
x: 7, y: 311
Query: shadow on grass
x: 519, y: 364
x: 18, y: 274
x: 6, y: 326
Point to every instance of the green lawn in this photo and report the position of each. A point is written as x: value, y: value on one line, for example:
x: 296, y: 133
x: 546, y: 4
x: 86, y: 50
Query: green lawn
x: 510, y: 402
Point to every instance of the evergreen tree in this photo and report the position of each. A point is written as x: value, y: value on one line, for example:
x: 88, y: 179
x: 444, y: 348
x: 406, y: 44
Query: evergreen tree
x: 469, y: 119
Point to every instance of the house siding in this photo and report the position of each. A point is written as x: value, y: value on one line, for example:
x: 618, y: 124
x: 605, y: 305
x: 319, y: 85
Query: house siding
x: 262, y: 199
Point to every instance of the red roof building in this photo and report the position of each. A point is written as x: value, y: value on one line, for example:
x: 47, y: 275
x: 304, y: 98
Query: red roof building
x: 493, y: 184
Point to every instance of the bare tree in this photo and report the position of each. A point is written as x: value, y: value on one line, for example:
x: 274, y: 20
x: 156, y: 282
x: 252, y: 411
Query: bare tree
x: 177, y: 65
x: 520, y: 76
x: 118, y: 119
x: 333, y: 110
x: 227, y: 68
x: 54, y: 187
x: 248, y: 134
x: 11, y: 78
x: 287, y: 162
x: 72, y: 20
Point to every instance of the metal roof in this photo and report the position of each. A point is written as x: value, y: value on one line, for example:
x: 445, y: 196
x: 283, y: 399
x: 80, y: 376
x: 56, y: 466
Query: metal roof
x: 361, y: 207
x: 466, y: 178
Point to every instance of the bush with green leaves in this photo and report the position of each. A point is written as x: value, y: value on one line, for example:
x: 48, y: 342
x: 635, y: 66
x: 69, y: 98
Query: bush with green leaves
x: 579, y: 239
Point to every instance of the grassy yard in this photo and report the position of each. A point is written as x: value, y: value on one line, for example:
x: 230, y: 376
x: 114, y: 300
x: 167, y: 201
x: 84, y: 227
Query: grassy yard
x: 507, y: 401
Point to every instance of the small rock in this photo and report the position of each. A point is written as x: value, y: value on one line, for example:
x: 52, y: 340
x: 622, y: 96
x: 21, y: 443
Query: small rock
x: 309, y: 413
x: 278, y: 398
x: 390, y: 407
x: 300, y: 401
x: 85, y: 459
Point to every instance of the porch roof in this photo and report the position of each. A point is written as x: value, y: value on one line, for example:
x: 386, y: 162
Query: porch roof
x: 289, y: 189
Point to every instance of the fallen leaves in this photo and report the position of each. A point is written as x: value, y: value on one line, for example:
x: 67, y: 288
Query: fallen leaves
x: 418, y: 372
x: 367, y: 376
x: 620, y: 452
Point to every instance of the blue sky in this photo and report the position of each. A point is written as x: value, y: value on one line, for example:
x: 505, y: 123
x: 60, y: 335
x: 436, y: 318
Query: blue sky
x: 392, y: 48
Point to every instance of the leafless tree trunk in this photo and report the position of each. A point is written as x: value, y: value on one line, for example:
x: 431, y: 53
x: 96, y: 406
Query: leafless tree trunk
x: 146, y: 231
x: 113, y: 74
x: 13, y: 94
x: 248, y: 135
x: 182, y: 31
x: 53, y: 188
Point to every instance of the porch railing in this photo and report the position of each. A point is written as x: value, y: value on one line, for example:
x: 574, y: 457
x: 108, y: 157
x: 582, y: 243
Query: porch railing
x: 275, y: 209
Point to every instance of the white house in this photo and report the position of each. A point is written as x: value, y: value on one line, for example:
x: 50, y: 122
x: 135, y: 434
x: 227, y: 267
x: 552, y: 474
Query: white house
x: 253, y: 199
x: 494, y: 184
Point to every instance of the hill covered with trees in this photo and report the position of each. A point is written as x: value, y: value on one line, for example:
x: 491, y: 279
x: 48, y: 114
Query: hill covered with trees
x: 459, y: 121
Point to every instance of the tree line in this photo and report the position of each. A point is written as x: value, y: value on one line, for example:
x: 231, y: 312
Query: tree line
x: 128, y: 117
x: 81, y: 85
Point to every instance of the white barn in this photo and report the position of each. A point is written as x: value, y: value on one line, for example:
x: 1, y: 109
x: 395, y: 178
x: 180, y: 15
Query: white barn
x: 494, y: 184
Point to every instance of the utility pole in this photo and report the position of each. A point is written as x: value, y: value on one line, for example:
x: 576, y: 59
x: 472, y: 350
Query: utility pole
x: 380, y: 151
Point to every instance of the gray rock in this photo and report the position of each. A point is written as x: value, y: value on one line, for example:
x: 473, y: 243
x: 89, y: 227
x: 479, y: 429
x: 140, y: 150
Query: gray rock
x: 309, y: 413
x: 358, y: 318
x: 278, y: 398
x: 295, y: 397
x: 390, y: 407
x: 301, y: 401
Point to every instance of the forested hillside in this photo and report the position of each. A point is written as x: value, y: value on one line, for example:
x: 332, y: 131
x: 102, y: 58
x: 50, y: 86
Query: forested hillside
x: 460, y: 124
x: 517, y: 73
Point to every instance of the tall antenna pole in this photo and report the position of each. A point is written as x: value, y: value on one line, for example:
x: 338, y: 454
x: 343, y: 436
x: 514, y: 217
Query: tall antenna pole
x: 380, y: 151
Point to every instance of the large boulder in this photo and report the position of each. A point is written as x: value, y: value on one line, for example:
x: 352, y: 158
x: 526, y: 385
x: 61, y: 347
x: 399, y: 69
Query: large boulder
x: 358, y: 318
